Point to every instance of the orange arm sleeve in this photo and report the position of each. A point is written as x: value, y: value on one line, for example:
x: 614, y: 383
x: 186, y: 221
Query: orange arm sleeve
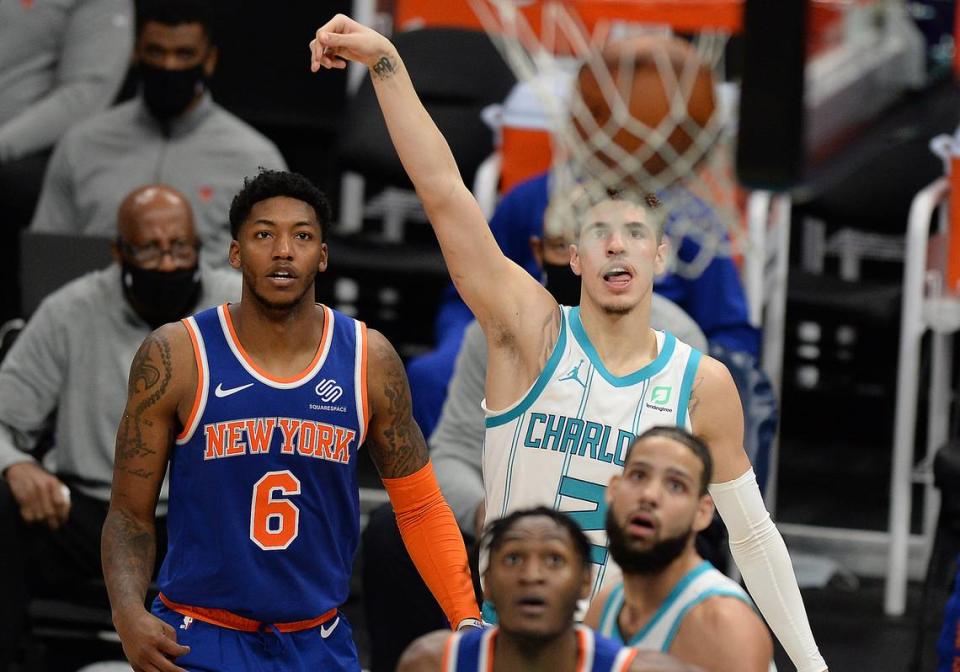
x: 434, y: 542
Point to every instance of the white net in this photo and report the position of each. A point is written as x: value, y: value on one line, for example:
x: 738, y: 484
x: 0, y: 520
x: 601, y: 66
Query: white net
x: 645, y: 112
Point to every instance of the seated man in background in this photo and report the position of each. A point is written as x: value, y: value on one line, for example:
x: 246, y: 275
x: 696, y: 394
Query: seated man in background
x: 58, y: 66
x: 73, y: 357
x: 539, y: 569
x: 172, y: 132
x: 456, y: 448
x: 714, y: 298
x: 670, y: 598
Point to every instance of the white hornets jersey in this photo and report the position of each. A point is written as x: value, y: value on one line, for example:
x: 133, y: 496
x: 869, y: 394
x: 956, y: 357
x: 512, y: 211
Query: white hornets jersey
x: 560, y: 444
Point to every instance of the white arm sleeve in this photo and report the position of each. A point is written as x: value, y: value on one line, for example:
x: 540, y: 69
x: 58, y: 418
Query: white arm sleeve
x: 761, y: 555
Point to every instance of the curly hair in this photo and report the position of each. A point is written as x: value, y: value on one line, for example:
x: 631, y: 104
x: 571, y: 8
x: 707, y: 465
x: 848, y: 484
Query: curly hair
x: 495, y: 531
x: 272, y: 183
x: 697, y: 445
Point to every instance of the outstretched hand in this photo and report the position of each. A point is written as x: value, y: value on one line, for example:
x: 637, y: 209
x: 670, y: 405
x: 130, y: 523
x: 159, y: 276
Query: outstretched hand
x: 342, y: 39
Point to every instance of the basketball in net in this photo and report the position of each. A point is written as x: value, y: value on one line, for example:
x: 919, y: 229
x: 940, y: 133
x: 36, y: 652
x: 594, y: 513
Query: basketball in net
x: 642, y: 115
x: 642, y: 112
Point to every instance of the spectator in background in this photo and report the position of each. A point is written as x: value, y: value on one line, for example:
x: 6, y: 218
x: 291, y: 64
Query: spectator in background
x: 73, y: 357
x: 456, y: 448
x: 59, y: 63
x: 171, y: 132
x: 714, y: 299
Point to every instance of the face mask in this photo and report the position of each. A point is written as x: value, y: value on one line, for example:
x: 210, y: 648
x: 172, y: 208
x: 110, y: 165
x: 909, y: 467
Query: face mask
x: 161, y: 296
x: 167, y: 93
x: 563, y: 283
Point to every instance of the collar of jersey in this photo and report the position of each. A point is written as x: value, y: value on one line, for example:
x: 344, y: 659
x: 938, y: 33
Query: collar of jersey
x: 648, y: 371
x: 667, y: 603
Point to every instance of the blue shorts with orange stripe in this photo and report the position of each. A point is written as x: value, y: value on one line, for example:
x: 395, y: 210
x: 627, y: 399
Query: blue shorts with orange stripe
x: 324, y: 646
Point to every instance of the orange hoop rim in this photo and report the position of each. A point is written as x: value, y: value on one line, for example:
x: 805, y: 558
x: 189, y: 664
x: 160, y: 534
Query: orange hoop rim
x: 690, y: 16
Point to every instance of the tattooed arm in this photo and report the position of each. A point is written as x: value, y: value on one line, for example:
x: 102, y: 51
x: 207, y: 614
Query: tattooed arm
x: 510, y: 305
x: 717, y: 417
x: 394, y: 439
x: 163, y: 377
x: 427, y: 525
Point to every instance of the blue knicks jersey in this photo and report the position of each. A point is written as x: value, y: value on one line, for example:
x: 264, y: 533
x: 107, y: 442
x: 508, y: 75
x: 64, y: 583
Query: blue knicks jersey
x: 471, y: 650
x: 264, y: 512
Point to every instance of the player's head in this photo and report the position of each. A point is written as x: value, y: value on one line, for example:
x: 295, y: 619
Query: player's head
x: 279, y: 222
x: 617, y: 246
x: 660, y: 501
x: 539, y: 567
x: 174, y: 53
x: 158, y: 253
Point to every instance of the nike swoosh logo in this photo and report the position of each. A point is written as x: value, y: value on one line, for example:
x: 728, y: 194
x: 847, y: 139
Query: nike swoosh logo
x: 326, y: 632
x: 221, y: 393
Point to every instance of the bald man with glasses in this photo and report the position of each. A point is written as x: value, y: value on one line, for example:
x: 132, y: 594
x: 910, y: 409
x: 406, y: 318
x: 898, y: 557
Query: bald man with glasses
x: 71, y: 363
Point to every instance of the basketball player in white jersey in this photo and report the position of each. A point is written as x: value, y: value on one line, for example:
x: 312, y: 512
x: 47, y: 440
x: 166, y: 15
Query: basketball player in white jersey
x: 670, y: 598
x: 566, y: 388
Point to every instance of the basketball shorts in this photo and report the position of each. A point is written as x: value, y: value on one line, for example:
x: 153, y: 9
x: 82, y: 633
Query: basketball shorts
x: 326, y: 647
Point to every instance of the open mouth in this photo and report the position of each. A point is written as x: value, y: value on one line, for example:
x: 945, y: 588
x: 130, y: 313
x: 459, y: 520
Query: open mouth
x: 617, y: 276
x: 641, y: 525
x: 531, y: 605
x: 282, y: 278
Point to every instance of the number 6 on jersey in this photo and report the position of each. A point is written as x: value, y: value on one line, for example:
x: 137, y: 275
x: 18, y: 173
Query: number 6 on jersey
x: 274, y: 522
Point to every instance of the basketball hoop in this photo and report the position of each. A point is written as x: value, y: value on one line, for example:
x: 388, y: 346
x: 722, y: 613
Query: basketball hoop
x: 646, y: 112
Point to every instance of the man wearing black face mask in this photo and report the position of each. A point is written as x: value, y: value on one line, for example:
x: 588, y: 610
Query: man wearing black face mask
x: 172, y: 132
x: 73, y: 357
x: 456, y: 448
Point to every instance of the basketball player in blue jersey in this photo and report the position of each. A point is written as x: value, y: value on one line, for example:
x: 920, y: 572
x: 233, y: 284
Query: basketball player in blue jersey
x: 671, y: 599
x: 539, y: 569
x: 260, y: 408
x: 558, y: 442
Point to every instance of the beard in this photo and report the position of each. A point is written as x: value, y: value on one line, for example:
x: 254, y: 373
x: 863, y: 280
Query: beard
x: 650, y: 561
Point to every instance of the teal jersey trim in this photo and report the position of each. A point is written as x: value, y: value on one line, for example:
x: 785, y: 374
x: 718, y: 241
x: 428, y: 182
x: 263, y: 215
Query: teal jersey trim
x: 686, y: 387
x: 648, y: 371
x: 704, y: 596
x: 513, y: 457
x: 609, y: 626
x: 671, y: 598
x: 539, y: 383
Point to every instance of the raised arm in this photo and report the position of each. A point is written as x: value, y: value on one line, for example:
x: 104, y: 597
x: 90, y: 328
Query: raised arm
x: 755, y: 543
x: 427, y: 525
x: 504, y: 298
x: 162, y: 376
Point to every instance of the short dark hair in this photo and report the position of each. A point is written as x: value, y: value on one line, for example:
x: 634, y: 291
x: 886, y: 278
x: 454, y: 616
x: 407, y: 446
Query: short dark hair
x: 691, y: 441
x: 175, y: 13
x: 493, y: 535
x: 272, y: 183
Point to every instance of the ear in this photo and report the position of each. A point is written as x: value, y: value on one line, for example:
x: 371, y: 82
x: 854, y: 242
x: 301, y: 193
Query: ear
x: 575, y: 260
x: 608, y: 494
x: 234, y: 254
x: 324, y: 258
x: 536, y: 247
x: 704, y: 513
x: 660, y: 261
x: 586, y: 587
x: 210, y: 62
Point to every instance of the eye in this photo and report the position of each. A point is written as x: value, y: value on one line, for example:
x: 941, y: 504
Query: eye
x: 512, y: 559
x: 555, y: 561
x: 304, y: 235
x: 677, y: 486
x: 261, y: 235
